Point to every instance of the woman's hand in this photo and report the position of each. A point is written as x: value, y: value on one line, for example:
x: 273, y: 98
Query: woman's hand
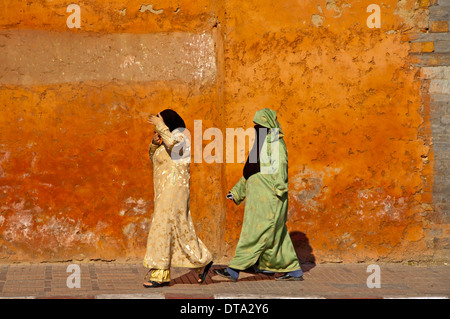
x: 156, y: 139
x: 154, y: 120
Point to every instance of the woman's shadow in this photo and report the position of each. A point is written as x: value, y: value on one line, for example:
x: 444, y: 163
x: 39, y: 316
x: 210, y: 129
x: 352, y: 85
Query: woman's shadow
x: 303, y: 250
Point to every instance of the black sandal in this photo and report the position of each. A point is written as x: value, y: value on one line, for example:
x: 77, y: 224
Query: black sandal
x: 154, y: 284
x: 203, y: 275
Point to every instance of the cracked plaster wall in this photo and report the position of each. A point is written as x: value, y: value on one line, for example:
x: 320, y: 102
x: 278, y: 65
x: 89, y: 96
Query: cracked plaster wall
x: 75, y: 178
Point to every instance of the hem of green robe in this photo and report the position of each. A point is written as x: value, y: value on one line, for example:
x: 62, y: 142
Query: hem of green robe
x: 280, y: 270
x: 288, y: 269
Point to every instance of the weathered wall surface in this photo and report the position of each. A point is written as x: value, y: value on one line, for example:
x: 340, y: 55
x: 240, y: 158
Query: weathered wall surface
x: 357, y: 128
x: 356, y: 104
x: 75, y: 177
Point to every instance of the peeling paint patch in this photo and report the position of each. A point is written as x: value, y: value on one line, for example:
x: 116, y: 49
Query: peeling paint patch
x: 4, y: 157
x: 136, y: 233
x: 19, y: 226
x: 376, y: 205
x: 331, y: 5
x: 64, y: 232
x: 317, y: 20
x: 149, y: 7
x: 134, y: 207
x: 412, y: 14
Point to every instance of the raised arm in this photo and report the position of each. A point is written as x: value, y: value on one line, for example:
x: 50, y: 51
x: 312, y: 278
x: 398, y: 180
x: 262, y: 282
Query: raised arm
x: 169, y: 140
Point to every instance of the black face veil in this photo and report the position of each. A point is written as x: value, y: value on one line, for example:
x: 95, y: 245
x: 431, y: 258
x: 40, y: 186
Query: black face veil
x: 172, y: 119
x: 252, y: 166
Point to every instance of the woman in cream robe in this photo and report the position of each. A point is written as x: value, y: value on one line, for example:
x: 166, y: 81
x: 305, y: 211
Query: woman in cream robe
x: 172, y: 241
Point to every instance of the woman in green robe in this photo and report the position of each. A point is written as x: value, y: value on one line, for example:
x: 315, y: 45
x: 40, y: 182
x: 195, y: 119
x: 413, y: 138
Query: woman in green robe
x: 264, y: 242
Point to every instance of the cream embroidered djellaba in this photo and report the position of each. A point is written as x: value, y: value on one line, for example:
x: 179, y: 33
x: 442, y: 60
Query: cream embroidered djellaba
x: 172, y: 241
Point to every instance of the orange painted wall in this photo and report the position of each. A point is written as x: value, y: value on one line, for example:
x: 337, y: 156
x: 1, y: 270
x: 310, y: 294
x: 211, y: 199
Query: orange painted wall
x: 76, y: 181
x: 349, y: 101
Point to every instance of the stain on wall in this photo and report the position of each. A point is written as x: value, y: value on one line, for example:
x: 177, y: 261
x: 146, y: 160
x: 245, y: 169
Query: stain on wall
x: 44, y: 57
x: 75, y: 178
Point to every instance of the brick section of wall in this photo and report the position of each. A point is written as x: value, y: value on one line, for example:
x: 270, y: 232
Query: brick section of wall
x: 435, y: 75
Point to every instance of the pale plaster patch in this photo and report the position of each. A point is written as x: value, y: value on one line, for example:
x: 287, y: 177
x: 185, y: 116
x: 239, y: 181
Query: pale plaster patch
x: 44, y: 57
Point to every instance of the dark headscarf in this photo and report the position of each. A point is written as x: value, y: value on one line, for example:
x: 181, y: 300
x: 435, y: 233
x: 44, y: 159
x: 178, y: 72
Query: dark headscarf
x: 172, y: 119
x: 252, y: 166
x: 265, y: 120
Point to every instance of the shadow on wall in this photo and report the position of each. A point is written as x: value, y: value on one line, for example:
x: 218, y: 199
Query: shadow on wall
x: 303, y: 250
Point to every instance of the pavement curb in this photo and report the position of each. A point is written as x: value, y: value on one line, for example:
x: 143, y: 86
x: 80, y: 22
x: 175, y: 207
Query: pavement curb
x: 172, y: 296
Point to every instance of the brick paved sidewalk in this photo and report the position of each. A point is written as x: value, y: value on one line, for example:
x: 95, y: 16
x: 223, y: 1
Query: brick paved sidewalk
x: 124, y: 280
